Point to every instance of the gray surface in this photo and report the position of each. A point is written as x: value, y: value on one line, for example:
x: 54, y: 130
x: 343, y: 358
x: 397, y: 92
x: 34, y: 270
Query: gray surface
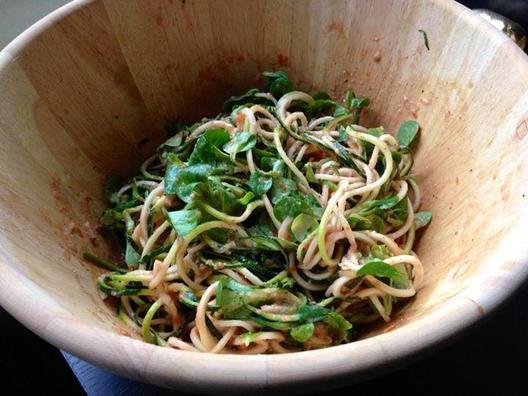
x: 17, y: 15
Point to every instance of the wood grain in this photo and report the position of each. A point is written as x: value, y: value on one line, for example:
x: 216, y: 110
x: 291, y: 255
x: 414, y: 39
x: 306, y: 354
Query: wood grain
x: 82, y: 89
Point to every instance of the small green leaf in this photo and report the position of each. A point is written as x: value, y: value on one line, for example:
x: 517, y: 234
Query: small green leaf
x: 407, y: 133
x: 358, y: 103
x: 282, y: 187
x: 421, y: 219
x: 132, y: 257
x: 260, y: 183
x: 207, y: 148
x: 398, y: 213
x: 274, y: 165
x: 217, y: 196
x: 302, y: 226
x: 184, y: 221
x: 261, y: 229
x: 369, y: 222
x: 382, y: 204
x: 184, y: 181
x: 312, y: 313
x: 293, y: 204
x: 277, y: 83
x: 174, y: 141
x: 240, y: 142
x: 303, y: 332
x: 379, y: 269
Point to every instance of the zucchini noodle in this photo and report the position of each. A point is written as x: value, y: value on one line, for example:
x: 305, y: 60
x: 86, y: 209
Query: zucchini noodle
x: 278, y: 226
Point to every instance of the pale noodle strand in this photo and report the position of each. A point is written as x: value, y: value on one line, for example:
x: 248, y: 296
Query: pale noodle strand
x: 291, y: 165
x: 206, y: 338
x: 223, y: 341
x: 177, y: 343
x: 379, y: 307
x: 287, y: 99
x: 417, y: 194
x: 154, y: 238
x: 143, y: 217
x: 210, y: 125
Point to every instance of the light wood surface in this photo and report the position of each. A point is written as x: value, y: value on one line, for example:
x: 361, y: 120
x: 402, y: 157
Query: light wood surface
x: 83, y: 88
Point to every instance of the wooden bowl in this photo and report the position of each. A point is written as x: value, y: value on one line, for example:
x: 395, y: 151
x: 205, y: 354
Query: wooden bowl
x: 85, y: 93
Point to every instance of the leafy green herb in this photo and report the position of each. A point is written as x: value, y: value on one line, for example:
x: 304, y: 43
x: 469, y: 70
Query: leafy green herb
x: 398, y: 213
x: 312, y: 313
x: 132, y: 257
x: 207, y: 149
x: 379, y: 269
x: 375, y: 205
x: 184, y: 181
x: 173, y: 142
x: 421, y: 219
x: 260, y: 183
x: 240, y: 142
x: 369, y: 222
x: 302, y: 226
x: 337, y: 321
x: 277, y: 83
x: 184, y: 221
x: 217, y: 196
x: 407, y: 133
x: 293, y: 204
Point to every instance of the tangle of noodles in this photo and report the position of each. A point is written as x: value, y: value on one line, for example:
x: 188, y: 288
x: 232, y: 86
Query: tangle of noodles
x: 272, y: 228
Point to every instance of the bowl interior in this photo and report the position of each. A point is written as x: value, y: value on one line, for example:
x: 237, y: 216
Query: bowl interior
x: 86, y: 93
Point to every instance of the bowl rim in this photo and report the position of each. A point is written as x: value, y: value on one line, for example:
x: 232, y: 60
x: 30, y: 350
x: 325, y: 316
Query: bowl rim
x: 170, y: 367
